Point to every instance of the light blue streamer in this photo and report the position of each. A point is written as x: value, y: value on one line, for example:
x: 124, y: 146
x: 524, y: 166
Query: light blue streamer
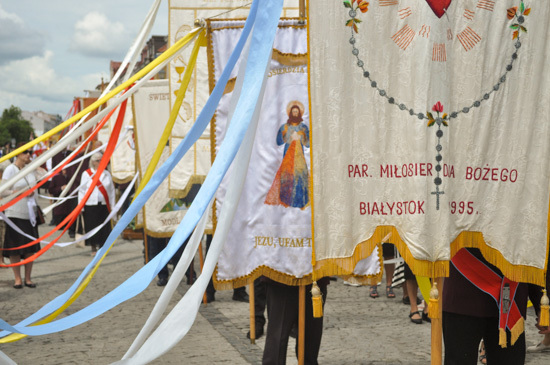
x: 141, y: 279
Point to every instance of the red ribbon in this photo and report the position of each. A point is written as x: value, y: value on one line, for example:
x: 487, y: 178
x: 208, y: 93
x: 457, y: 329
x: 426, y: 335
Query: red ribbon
x: 71, y: 218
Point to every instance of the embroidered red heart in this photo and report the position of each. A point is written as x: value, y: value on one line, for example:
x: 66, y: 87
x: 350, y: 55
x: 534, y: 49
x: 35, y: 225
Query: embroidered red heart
x: 439, y: 6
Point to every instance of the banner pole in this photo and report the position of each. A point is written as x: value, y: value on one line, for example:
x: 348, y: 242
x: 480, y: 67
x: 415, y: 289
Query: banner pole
x: 301, y: 324
x: 251, y: 303
x: 201, y: 258
x: 437, y: 331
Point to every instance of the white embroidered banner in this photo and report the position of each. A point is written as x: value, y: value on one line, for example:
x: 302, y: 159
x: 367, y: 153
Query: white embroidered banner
x: 123, y: 164
x: 152, y: 110
x: 188, y: 176
x: 431, y: 117
x: 271, y: 232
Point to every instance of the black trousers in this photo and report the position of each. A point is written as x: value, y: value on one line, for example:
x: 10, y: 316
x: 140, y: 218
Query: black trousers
x: 156, y: 245
x: 282, y: 315
x: 462, y: 335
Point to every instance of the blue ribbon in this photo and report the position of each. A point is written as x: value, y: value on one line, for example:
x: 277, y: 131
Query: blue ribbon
x: 262, y: 40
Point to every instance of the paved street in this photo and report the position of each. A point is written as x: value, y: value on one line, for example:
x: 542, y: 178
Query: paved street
x: 358, y: 329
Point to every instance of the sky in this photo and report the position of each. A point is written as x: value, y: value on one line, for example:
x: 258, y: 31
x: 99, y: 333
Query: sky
x: 53, y: 50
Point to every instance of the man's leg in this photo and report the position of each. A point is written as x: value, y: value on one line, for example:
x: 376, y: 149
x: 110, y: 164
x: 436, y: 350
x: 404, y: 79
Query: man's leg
x: 461, y: 337
x: 282, y: 313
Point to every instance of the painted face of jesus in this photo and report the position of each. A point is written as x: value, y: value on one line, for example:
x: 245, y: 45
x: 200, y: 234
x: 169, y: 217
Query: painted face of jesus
x: 295, y: 111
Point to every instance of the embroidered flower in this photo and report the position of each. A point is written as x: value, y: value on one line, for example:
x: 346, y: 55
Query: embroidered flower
x: 519, y: 15
x: 438, y: 108
x: 355, y: 5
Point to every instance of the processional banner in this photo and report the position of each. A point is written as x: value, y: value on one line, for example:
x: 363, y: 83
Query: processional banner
x: 123, y: 165
x: 271, y: 232
x: 190, y: 173
x: 162, y: 214
x: 431, y: 121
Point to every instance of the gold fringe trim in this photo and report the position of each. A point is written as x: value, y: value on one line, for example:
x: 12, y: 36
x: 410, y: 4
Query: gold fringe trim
x: 345, y: 266
x: 289, y: 59
x: 259, y: 271
x: 517, y: 330
x: 520, y: 273
x: 182, y: 193
x: 158, y: 234
x: 122, y: 181
x: 368, y: 279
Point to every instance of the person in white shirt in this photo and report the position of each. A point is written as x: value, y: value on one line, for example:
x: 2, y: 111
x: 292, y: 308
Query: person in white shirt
x: 98, y: 205
x: 23, y: 215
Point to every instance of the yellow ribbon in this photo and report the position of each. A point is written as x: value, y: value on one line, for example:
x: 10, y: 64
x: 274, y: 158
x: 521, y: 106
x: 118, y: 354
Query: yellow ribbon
x: 163, y: 57
x: 173, y: 114
x: 18, y: 336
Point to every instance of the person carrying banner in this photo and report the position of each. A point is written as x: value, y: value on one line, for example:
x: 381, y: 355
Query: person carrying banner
x: 99, y: 203
x: 23, y: 215
x: 282, y: 315
x: 480, y: 303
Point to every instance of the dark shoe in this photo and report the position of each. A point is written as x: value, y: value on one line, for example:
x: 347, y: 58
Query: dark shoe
x: 389, y: 292
x: 210, y: 298
x: 30, y: 285
x: 240, y: 296
x: 332, y: 278
x: 426, y: 317
x: 418, y: 320
x: 18, y: 286
x: 71, y: 234
x: 259, y: 332
x: 162, y: 282
x: 373, y: 292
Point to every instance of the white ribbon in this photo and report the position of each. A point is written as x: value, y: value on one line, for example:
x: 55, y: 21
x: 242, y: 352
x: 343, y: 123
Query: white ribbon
x: 89, y: 234
x: 178, y: 322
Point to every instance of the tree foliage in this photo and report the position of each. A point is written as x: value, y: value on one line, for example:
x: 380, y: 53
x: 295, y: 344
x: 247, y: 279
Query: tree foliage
x: 12, y: 125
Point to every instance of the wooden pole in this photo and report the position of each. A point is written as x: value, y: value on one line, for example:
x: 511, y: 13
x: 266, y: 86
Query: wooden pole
x: 301, y: 325
x: 202, y: 264
x: 146, y: 246
x: 437, y: 329
x: 251, y: 303
x: 302, y: 11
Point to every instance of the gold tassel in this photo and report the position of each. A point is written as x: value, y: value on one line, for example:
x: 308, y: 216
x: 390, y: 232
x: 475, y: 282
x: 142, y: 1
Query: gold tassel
x: 317, y: 299
x: 544, y: 319
x: 433, y: 306
x: 502, y: 337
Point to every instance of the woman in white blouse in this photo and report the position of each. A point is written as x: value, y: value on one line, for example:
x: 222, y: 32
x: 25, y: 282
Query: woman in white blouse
x: 99, y: 203
x: 23, y: 215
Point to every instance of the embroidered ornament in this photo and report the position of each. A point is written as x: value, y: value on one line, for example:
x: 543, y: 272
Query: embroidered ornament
x: 439, y: 7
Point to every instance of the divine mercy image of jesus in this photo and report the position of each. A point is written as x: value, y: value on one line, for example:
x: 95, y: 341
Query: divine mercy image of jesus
x: 290, y: 187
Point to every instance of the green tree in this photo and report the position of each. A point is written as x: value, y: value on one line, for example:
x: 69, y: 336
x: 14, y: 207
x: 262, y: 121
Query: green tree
x: 12, y: 125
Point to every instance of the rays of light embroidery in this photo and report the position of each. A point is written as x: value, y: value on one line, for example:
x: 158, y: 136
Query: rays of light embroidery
x: 468, y: 14
x: 486, y: 5
x: 403, y: 13
x: 404, y: 37
x: 388, y: 2
x: 468, y: 38
x: 439, y: 53
x: 425, y: 31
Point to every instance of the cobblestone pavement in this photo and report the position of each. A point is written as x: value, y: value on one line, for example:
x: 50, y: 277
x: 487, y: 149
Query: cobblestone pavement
x: 358, y: 329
